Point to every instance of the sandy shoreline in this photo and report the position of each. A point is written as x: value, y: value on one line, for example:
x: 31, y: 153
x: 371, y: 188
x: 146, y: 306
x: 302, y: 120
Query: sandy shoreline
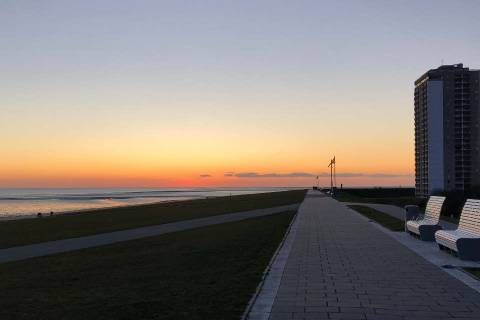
x: 90, y: 210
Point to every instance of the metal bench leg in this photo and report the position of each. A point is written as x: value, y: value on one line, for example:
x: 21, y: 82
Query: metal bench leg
x: 427, y: 232
x: 469, y: 249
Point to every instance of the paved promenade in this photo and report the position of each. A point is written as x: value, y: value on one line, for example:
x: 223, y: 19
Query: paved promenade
x: 340, y: 266
x: 52, y: 247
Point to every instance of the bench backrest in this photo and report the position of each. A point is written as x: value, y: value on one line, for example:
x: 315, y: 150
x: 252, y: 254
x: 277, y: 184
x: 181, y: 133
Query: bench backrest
x: 434, y: 208
x: 470, y: 218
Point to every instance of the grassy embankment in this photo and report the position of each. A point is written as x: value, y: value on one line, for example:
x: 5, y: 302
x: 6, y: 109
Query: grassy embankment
x: 394, y: 196
x: 474, y: 271
x: 205, y: 273
x: 384, y: 219
x: 28, y: 231
x: 401, y: 197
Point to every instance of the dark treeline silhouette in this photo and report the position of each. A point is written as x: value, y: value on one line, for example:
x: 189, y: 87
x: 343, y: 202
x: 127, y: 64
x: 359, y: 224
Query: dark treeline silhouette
x: 456, y: 199
x: 379, y: 192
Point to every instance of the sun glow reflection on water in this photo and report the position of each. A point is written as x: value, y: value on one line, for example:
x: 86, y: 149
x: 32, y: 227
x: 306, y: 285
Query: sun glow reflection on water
x: 22, y: 203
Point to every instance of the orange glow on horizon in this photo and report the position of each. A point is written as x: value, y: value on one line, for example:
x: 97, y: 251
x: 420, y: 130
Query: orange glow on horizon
x: 129, y: 161
x: 133, y: 159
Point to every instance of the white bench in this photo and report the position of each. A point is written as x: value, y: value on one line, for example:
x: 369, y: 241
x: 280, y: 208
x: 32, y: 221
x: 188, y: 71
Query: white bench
x: 465, y: 240
x: 426, y: 227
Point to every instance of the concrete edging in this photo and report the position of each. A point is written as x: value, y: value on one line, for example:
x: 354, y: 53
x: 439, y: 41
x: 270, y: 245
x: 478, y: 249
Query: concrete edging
x: 267, y: 272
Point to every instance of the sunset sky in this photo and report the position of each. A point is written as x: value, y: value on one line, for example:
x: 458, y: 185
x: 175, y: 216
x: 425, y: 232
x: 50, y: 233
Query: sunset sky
x: 218, y: 93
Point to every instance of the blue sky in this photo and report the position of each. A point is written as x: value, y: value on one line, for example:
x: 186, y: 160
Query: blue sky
x: 269, y: 77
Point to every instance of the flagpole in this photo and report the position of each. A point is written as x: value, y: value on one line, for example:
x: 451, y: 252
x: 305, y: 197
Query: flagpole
x: 334, y: 172
x: 331, y: 177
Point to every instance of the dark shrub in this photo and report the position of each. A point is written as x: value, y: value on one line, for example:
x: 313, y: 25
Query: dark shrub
x: 456, y: 199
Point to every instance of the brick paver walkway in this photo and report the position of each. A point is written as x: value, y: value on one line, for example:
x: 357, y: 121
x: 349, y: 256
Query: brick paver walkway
x: 341, y: 267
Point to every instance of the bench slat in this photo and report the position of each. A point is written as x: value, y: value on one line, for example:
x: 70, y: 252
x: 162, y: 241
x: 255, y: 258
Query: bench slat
x: 470, y: 217
x: 434, y: 208
x: 468, y: 226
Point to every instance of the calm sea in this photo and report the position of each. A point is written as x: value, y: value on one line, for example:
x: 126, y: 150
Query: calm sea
x: 18, y: 203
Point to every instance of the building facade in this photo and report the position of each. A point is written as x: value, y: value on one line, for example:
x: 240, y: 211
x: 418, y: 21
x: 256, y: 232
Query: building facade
x: 447, y: 133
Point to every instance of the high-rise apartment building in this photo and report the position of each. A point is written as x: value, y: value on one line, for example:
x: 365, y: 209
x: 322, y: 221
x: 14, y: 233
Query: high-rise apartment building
x: 447, y: 133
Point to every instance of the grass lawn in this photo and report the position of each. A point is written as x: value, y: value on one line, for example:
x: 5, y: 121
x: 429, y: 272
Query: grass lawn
x: 384, y: 219
x: 473, y: 271
x: 395, y: 196
x: 28, y: 231
x: 205, y: 273
x: 399, y: 197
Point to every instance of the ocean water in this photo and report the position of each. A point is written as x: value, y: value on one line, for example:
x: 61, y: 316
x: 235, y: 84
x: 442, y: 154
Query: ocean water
x: 22, y: 203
